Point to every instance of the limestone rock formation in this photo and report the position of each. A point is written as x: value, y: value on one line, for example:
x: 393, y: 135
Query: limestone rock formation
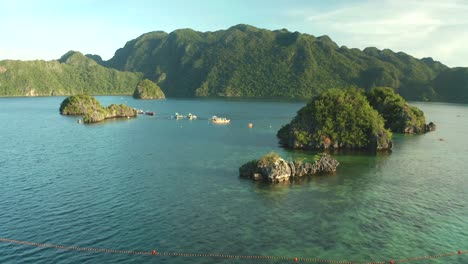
x: 92, y: 111
x: 148, y: 90
x: 273, y: 168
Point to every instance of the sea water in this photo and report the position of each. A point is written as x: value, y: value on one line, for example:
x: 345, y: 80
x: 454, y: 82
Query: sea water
x: 155, y: 183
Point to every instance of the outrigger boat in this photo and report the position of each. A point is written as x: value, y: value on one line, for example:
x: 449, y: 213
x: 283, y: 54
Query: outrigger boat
x: 177, y: 116
x: 191, y: 117
x: 220, y: 120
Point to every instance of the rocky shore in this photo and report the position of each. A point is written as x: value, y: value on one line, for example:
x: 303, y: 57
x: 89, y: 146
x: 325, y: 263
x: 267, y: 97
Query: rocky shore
x: 273, y: 168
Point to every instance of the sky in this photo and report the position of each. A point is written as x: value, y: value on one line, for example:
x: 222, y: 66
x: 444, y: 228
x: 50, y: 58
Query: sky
x: 47, y: 29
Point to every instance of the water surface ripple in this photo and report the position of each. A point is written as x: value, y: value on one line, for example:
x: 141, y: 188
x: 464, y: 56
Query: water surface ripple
x: 156, y: 183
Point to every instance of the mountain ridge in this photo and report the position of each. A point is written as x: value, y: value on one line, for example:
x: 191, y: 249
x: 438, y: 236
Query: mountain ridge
x: 246, y: 61
x: 243, y: 61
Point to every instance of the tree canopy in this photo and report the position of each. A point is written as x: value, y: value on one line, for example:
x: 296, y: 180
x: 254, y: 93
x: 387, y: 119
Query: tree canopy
x: 337, y: 119
x: 147, y: 89
x: 74, y: 73
x: 399, y: 116
x: 245, y: 61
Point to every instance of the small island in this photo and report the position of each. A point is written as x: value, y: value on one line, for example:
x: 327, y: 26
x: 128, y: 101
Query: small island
x: 353, y: 119
x: 399, y: 116
x: 148, y: 90
x: 337, y: 119
x: 273, y: 168
x: 92, y: 111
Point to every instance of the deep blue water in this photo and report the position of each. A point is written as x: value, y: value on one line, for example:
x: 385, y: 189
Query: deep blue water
x: 157, y: 183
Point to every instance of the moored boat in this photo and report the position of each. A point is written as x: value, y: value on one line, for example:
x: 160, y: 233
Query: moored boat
x: 191, y: 117
x: 177, y: 116
x: 220, y: 120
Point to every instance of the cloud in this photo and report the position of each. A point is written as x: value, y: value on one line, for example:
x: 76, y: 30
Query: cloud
x: 420, y: 28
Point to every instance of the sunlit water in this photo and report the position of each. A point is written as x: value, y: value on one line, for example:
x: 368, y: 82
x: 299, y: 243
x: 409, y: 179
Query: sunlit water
x: 157, y: 183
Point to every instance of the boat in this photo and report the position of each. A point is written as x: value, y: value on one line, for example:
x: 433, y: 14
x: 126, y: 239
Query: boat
x: 191, y: 117
x: 149, y: 113
x: 220, y: 120
x: 177, y: 116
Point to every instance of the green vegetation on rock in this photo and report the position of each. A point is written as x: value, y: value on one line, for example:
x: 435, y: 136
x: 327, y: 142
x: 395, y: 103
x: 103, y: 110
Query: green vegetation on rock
x: 337, y: 119
x: 399, y: 116
x: 79, y: 104
x: 112, y: 111
x: 74, y: 73
x: 147, y: 89
x: 269, y: 159
x: 92, y: 111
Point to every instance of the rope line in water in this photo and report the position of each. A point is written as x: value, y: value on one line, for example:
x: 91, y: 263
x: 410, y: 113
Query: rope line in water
x: 226, y: 256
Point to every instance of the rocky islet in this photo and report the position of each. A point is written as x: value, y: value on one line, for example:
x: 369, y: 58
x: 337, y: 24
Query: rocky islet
x: 272, y: 168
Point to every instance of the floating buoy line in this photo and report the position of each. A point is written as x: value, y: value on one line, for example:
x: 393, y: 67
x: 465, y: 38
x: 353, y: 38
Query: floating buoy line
x: 155, y: 253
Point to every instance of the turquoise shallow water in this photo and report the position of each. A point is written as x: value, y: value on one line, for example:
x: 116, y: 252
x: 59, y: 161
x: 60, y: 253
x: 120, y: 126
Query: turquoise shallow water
x: 156, y: 183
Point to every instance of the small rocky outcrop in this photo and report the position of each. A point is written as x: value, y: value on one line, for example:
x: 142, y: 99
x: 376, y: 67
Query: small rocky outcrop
x: 400, y: 117
x: 92, y: 111
x: 337, y: 119
x: 79, y: 104
x: 148, y: 90
x: 430, y: 127
x: 112, y: 111
x: 325, y: 164
x: 273, y: 168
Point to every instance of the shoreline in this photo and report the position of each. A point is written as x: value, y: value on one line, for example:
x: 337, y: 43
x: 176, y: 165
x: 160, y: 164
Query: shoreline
x: 239, y: 99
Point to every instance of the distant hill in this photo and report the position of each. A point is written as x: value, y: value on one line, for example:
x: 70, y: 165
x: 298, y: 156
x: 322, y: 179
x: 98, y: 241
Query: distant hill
x: 73, y: 73
x: 245, y: 61
x: 451, y: 85
x: 242, y: 61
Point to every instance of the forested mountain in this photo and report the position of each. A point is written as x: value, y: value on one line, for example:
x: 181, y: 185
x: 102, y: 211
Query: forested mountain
x: 245, y: 61
x: 452, y: 85
x: 242, y: 61
x: 72, y: 74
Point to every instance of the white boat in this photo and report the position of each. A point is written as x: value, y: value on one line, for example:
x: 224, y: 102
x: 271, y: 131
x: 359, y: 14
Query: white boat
x: 220, y: 120
x: 191, y: 117
x: 177, y: 116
